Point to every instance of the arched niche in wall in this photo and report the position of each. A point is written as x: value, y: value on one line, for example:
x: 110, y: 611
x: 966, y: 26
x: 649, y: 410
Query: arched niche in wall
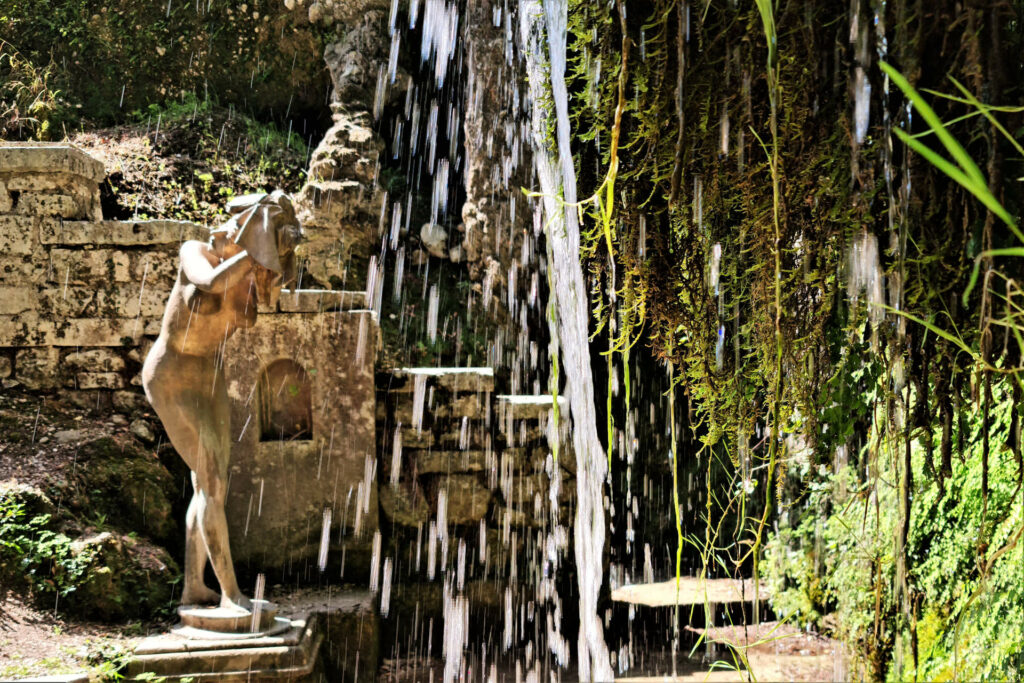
x: 285, y: 402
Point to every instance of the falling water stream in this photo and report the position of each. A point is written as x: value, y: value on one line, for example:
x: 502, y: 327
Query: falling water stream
x: 571, y: 314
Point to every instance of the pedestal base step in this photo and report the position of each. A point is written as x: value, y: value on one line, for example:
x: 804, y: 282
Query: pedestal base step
x: 287, y: 651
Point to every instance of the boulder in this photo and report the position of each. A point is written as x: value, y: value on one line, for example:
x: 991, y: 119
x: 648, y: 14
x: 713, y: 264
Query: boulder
x: 126, y: 486
x: 118, y: 577
x: 142, y: 431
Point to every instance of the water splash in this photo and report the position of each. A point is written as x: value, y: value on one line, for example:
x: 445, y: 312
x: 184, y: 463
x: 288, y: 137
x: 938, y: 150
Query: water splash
x: 865, y: 276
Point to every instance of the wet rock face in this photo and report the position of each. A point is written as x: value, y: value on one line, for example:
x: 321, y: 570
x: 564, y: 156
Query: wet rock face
x: 354, y: 60
x: 340, y: 204
x: 495, y: 163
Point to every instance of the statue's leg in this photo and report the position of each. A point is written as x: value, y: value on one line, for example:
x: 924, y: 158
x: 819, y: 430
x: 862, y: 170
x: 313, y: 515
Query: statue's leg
x: 211, y: 493
x: 195, y: 591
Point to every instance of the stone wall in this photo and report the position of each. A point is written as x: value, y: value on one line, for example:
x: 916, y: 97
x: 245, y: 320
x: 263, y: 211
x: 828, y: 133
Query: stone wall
x: 457, y: 458
x: 80, y: 297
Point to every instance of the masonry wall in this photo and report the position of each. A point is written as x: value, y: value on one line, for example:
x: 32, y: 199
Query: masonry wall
x: 443, y: 434
x: 80, y: 297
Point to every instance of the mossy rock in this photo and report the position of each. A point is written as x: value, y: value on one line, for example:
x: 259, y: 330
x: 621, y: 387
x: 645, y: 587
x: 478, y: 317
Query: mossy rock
x: 31, y: 500
x: 121, y: 577
x: 118, y: 484
x: 108, y: 576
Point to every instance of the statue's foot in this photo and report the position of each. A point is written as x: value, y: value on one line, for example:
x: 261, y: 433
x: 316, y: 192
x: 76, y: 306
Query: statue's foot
x: 236, y: 602
x: 200, y: 595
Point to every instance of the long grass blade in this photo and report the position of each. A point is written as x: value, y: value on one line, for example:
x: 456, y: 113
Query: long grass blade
x: 933, y: 120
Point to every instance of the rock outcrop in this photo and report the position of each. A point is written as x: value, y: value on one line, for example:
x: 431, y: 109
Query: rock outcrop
x: 340, y: 205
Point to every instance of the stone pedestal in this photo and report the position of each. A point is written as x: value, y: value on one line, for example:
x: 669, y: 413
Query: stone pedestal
x: 290, y: 655
x: 303, y: 438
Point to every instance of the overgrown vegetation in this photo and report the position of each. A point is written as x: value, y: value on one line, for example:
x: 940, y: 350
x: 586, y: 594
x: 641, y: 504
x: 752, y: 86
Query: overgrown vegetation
x: 801, y: 225
x: 89, y: 575
x: 102, y: 61
x: 186, y: 159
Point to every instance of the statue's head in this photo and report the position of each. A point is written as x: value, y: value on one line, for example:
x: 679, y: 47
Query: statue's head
x: 265, y: 226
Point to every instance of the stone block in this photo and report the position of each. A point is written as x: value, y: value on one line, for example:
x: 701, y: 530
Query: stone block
x: 49, y: 204
x: 404, y: 504
x: 132, y: 300
x: 528, y: 407
x: 525, y: 460
x: 443, y: 462
x: 17, y: 236
x: 412, y: 438
x: 44, y: 159
x: 156, y: 268
x: 21, y: 270
x: 25, y: 329
x: 97, y: 332
x: 120, y: 233
x: 40, y: 182
x: 470, y: 406
x: 36, y: 368
x: 465, y: 434
x: 452, y: 379
x: 129, y: 402
x: 95, y: 360
x: 66, y: 302
x: 5, y: 367
x: 98, y: 380
x: 515, y: 517
x: 17, y: 299
x: 77, y: 266
x: 5, y: 198
x: 468, y: 499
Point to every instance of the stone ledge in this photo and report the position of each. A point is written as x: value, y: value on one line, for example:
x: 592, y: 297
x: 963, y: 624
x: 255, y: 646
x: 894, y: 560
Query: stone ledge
x: 316, y: 300
x: 121, y: 233
x: 38, y: 157
x: 528, y: 406
x: 444, y: 461
x: 452, y: 379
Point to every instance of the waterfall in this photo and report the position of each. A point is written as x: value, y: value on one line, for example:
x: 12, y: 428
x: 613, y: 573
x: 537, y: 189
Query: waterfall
x: 571, y: 312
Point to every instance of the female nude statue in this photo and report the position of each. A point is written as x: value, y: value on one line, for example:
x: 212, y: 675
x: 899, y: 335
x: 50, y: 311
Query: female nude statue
x: 248, y: 259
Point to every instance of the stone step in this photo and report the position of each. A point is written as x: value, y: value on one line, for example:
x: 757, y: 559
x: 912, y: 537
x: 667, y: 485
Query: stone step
x: 287, y: 656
